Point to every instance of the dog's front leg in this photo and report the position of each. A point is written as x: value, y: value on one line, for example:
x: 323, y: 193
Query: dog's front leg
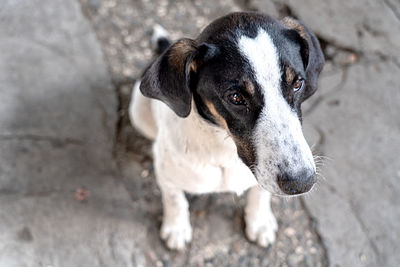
x: 175, y: 229
x: 261, y: 224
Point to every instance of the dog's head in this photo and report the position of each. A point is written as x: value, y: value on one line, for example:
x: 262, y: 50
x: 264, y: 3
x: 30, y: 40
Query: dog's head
x: 248, y: 74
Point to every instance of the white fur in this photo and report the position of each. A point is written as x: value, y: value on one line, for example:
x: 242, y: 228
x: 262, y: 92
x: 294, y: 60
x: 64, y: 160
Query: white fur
x: 278, y: 130
x: 195, y: 156
x: 192, y: 155
x: 261, y: 225
x: 158, y: 33
x: 140, y: 113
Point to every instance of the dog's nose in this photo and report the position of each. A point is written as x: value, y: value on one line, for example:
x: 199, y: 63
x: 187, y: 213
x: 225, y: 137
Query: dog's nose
x: 296, y: 184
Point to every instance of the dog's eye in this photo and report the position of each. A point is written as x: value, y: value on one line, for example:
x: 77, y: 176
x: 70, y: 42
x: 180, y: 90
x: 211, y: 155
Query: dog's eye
x: 298, y: 84
x: 236, y: 99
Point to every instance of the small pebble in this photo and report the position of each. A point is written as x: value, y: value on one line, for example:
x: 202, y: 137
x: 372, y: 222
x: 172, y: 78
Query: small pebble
x: 200, y: 213
x: 145, y: 173
x: 237, y: 246
x: 81, y: 194
x: 299, y: 250
x: 289, y: 232
x: 151, y: 255
x: 208, y: 253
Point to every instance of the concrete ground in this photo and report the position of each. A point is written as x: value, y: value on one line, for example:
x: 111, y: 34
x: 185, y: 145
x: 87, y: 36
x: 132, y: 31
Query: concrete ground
x: 76, y: 181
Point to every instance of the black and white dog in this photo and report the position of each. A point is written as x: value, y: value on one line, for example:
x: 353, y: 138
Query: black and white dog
x: 229, y: 117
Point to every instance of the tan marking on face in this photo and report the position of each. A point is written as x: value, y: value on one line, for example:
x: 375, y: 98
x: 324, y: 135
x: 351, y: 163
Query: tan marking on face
x: 244, y: 148
x: 249, y: 86
x: 290, y: 75
x: 193, y: 66
x: 293, y: 24
x: 179, y: 53
x: 221, y: 121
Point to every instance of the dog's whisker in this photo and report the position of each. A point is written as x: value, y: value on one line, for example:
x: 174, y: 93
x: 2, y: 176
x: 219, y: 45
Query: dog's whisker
x: 227, y: 136
x: 319, y: 175
x: 323, y: 157
x: 320, y: 163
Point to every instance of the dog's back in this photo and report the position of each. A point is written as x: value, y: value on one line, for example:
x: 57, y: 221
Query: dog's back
x: 140, y: 110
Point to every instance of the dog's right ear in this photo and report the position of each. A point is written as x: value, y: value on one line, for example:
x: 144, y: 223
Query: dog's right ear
x: 168, y: 78
x: 311, y: 52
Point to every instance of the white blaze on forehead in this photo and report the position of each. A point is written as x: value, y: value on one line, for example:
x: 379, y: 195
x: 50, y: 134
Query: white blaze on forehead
x: 263, y: 57
x: 278, y: 136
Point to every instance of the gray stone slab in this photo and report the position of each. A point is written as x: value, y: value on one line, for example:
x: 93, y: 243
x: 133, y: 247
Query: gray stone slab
x: 57, y: 119
x: 357, y: 203
x: 371, y: 26
x: 53, y: 229
x: 57, y: 114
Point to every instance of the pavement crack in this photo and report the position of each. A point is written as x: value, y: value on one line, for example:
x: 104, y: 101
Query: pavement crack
x: 104, y: 114
x: 117, y: 85
x: 284, y: 10
x: 111, y: 245
x: 28, y: 194
x: 320, y: 142
x: 246, y: 5
x: 356, y: 214
x: 364, y: 229
x: 314, y: 228
x: 326, y: 43
x: 121, y: 110
x: 340, y: 86
x: 52, y: 48
x: 396, y: 62
x: 393, y: 8
x: 54, y: 140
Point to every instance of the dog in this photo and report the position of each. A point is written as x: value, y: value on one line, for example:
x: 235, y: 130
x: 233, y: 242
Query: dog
x: 224, y: 113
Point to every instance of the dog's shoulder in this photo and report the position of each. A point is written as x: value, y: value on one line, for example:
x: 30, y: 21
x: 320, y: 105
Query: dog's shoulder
x: 192, y: 137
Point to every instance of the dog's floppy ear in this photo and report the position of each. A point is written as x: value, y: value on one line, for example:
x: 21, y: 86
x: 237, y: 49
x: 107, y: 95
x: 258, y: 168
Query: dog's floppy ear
x: 168, y: 78
x: 311, y: 53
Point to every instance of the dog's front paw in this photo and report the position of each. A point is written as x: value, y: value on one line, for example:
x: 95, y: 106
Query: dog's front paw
x: 176, y: 234
x: 262, y: 230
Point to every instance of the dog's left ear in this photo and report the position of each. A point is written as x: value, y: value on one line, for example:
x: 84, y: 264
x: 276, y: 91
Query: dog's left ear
x: 312, y: 55
x: 170, y: 76
x: 167, y: 79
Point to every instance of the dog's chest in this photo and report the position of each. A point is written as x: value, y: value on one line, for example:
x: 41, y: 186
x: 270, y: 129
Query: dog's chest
x: 201, y: 170
x: 201, y: 158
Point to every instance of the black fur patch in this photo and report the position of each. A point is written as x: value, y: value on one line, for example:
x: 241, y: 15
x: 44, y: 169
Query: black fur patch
x: 228, y: 68
x: 215, y: 67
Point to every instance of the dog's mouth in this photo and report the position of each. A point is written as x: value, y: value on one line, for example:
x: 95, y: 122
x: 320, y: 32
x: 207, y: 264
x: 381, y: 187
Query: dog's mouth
x: 285, y: 183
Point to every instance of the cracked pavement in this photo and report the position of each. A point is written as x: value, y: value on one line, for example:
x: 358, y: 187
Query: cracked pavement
x: 76, y: 181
